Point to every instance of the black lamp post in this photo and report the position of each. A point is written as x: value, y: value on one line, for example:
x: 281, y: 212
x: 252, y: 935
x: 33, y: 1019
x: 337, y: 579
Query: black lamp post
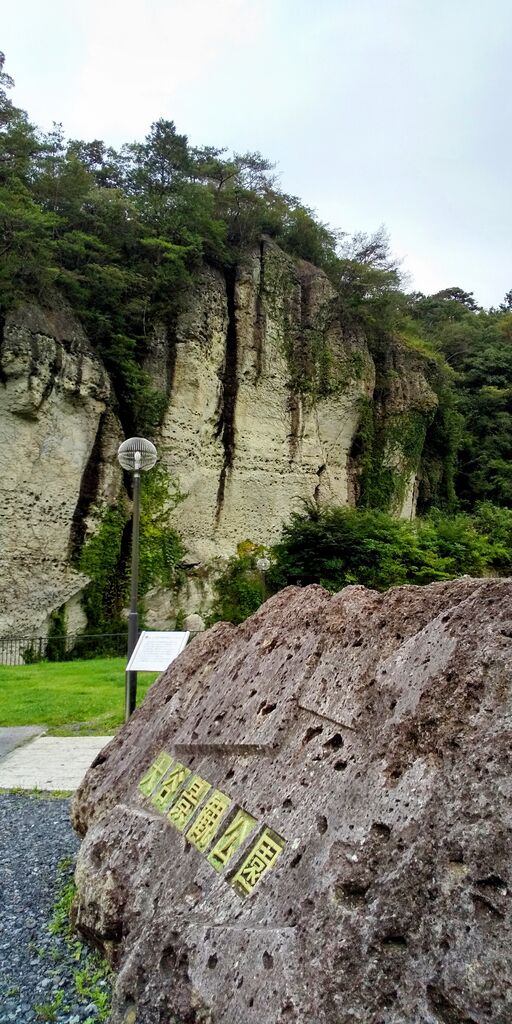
x: 136, y: 455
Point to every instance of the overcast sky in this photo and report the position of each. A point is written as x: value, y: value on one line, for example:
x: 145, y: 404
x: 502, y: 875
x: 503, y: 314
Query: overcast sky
x: 375, y: 111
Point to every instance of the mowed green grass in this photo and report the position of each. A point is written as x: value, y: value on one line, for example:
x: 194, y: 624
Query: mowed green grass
x: 82, y: 698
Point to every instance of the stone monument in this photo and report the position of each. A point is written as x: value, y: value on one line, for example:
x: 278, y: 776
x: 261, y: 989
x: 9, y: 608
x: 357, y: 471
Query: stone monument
x: 308, y: 819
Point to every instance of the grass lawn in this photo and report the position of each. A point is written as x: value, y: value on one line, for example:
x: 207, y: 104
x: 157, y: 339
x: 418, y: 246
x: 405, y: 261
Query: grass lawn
x: 82, y: 698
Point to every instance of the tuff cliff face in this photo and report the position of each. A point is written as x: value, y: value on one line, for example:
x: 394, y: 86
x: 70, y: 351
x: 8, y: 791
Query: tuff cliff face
x: 266, y: 399
x: 245, y: 442
x: 57, y: 443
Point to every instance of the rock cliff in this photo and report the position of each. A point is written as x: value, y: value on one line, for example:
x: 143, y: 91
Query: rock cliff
x: 266, y: 401
x: 308, y: 819
x: 58, y: 438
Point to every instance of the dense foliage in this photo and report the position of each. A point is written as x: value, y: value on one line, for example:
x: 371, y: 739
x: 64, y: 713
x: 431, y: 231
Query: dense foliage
x: 339, y: 546
x: 335, y: 547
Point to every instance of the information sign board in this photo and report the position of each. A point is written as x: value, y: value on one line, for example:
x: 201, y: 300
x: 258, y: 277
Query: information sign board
x: 155, y: 650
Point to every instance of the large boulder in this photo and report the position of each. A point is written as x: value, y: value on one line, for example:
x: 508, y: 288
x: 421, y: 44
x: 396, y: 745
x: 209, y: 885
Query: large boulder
x: 331, y: 840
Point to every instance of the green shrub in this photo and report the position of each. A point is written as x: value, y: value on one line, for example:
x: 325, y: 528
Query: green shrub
x: 339, y: 546
x: 241, y: 588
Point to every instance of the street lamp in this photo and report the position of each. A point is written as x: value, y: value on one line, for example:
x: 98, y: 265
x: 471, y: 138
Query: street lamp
x: 263, y: 565
x: 136, y: 454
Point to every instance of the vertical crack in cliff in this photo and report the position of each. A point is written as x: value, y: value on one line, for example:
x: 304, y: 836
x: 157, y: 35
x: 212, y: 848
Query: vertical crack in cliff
x: 226, y: 422
x: 260, y: 314
x: 87, y: 495
x: 320, y: 474
x: 171, y: 357
x: 3, y: 375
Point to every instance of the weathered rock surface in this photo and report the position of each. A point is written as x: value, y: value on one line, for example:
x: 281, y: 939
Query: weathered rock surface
x: 371, y: 734
x: 265, y: 393
x: 56, y: 432
x: 247, y: 450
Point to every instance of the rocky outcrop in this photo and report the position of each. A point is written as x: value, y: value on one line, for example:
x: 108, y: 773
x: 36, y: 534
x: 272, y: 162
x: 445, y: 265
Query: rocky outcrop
x: 265, y: 397
x: 58, y: 438
x: 245, y: 443
x: 325, y: 833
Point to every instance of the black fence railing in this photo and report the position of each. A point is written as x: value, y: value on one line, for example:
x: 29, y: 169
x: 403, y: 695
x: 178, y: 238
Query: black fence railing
x: 69, y: 647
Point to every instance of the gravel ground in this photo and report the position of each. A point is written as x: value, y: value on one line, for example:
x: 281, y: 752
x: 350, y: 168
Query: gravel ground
x: 37, y: 970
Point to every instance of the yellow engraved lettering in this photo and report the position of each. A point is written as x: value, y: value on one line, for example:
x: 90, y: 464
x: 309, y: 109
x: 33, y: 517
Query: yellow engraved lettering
x: 259, y: 860
x: 155, y: 773
x: 201, y: 833
x: 182, y: 811
x: 230, y: 840
x: 167, y: 791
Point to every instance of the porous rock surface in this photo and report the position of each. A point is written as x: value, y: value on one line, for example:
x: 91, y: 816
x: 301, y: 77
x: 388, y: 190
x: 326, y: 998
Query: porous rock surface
x: 372, y: 733
x: 57, y: 432
x: 245, y: 448
x: 266, y: 393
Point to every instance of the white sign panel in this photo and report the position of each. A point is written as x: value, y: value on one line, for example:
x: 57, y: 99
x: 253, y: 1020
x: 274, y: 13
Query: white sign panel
x: 155, y: 651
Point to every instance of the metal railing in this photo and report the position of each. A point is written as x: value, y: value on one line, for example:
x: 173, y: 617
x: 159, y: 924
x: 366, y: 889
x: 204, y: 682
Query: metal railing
x: 28, y: 650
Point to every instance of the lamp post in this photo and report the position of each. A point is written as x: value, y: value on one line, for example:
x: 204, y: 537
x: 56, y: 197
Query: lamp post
x: 136, y: 454
x: 263, y: 565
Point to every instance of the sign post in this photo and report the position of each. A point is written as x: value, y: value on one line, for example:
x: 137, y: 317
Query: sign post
x: 155, y: 650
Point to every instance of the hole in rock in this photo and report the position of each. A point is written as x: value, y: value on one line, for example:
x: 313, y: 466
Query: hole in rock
x: 492, y: 882
x: 251, y: 1002
x: 96, y: 855
x: 340, y: 766
x: 287, y: 804
x: 314, y: 730
x: 395, y: 941
x: 99, y: 759
x: 321, y: 823
x: 296, y: 860
x: 266, y: 709
x: 334, y: 742
x: 240, y: 982
x: 381, y: 829
x: 353, y: 893
x: 268, y: 961
x: 484, y: 906
x: 168, y: 960
x: 212, y: 962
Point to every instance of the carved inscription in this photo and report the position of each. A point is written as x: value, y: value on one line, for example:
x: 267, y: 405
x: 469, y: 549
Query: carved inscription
x: 155, y: 773
x: 201, y: 833
x: 230, y: 841
x: 167, y: 790
x: 259, y: 860
x: 176, y: 792
x: 185, y: 805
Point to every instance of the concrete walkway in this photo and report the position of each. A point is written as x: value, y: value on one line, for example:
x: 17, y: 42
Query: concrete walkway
x: 29, y: 760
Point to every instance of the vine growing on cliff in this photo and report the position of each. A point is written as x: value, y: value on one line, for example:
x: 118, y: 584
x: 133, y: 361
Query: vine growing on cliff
x: 105, y: 555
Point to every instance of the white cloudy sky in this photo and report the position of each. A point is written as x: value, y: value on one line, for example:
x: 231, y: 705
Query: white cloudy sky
x: 393, y: 111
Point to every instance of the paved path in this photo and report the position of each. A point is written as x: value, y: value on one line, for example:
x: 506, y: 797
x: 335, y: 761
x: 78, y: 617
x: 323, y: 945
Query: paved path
x: 46, y: 762
x: 15, y: 736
